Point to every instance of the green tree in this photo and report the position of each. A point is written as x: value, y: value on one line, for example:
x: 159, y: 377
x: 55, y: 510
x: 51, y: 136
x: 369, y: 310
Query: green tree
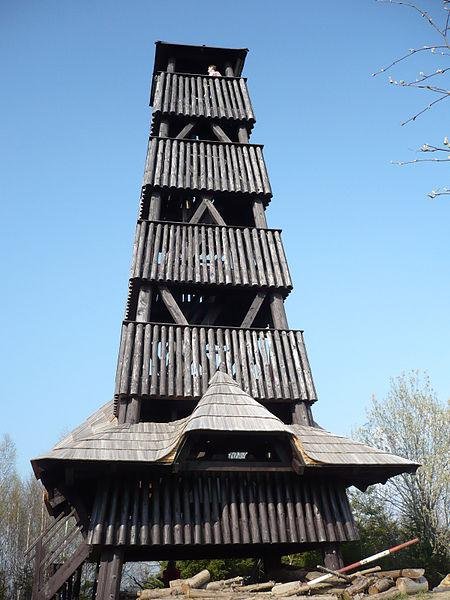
x: 413, y: 423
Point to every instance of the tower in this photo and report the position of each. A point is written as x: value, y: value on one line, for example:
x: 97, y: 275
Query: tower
x: 209, y: 448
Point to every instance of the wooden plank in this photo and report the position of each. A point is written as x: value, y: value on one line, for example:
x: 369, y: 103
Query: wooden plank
x: 187, y: 129
x: 155, y: 530
x: 262, y: 511
x: 207, y: 527
x: 198, y: 212
x: 281, y: 514
x: 144, y: 529
x: 172, y: 305
x: 134, y: 531
x: 55, y: 582
x: 215, y: 214
x: 123, y: 526
x: 254, y: 307
x: 243, y: 510
x: 220, y: 133
x: 234, y: 514
x: 187, y: 533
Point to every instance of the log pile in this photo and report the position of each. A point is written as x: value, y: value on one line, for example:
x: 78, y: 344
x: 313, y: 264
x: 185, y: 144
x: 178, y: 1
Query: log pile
x: 370, y: 584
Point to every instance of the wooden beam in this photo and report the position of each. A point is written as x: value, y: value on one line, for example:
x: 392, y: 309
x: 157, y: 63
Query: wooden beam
x: 171, y: 65
x: 172, y: 305
x: 229, y: 72
x: 253, y: 309
x: 164, y: 128
x: 154, y: 212
x: 144, y: 305
x: 65, y: 571
x: 243, y: 135
x: 220, y: 133
x: 187, y: 129
x: 215, y: 214
x: 300, y: 414
x: 198, y: 212
x: 259, y: 213
x: 278, y: 312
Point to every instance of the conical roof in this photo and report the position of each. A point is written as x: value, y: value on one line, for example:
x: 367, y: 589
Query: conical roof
x: 226, y: 407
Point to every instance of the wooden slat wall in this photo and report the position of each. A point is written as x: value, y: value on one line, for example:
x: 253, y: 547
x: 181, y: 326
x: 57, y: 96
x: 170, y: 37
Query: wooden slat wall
x: 210, y: 254
x: 208, y: 166
x: 232, y: 508
x: 203, y: 96
x: 176, y: 361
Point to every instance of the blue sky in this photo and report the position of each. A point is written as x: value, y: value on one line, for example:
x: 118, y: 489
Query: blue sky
x: 369, y: 252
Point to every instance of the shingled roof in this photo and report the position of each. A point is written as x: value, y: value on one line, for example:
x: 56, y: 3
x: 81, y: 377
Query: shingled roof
x: 224, y: 407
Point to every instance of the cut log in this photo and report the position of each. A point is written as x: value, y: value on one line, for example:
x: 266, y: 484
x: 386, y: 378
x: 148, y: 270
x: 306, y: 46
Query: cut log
x: 257, y: 587
x: 390, y: 594
x: 381, y: 585
x: 395, y: 574
x: 197, y: 581
x: 292, y: 588
x: 224, y: 583
x: 359, y: 586
x: 157, y: 593
x: 410, y: 586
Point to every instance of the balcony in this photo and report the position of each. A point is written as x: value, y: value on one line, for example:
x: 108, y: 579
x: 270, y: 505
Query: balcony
x: 173, y: 361
x: 206, y: 166
x: 210, y: 254
x: 202, y: 96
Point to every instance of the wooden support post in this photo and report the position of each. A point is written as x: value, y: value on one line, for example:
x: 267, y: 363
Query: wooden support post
x: 220, y: 133
x: 198, y: 212
x: 172, y: 305
x: 133, y: 410
x: 215, y: 214
x: 243, y: 135
x: 253, y: 309
x: 57, y: 580
x: 110, y: 574
x: 144, y: 305
x: 164, y: 128
x: 37, y: 578
x: 229, y: 71
x: 187, y: 129
x: 171, y: 65
x: 259, y: 214
x: 154, y: 212
x: 301, y: 414
x: 278, y: 312
x: 332, y: 557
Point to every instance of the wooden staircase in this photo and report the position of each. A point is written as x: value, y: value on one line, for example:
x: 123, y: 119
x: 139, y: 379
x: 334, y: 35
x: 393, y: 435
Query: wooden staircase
x: 58, y: 555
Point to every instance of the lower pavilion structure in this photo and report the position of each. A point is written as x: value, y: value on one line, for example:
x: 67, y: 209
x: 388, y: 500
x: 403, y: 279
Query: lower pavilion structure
x: 209, y: 447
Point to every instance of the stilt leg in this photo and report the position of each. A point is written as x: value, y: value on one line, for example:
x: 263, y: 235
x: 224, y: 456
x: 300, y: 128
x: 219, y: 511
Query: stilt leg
x: 332, y: 557
x: 110, y: 574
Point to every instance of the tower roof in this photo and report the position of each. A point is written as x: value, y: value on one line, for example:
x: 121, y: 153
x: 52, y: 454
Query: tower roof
x: 226, y: 407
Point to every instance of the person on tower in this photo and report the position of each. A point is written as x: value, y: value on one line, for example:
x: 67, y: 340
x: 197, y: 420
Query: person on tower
x: 213, y: 72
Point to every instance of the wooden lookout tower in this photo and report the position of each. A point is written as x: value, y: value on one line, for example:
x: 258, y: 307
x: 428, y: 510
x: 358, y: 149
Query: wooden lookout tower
x: 209, y: 447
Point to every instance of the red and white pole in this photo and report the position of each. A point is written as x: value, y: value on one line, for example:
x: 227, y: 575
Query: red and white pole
x: 364, y: 561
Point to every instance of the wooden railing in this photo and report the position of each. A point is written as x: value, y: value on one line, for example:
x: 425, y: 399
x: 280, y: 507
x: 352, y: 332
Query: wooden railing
x: 205, y: 165
x: 234, y: 508
x: 160, y: 360
x: 187, y: 253
x: 203, y: 96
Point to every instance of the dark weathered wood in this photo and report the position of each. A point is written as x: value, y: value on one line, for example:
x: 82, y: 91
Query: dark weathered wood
x: 65, y: 571
x: 253, y: 309
x: 220, y: 133
x: 172, y: 305
x: 187, y: 129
